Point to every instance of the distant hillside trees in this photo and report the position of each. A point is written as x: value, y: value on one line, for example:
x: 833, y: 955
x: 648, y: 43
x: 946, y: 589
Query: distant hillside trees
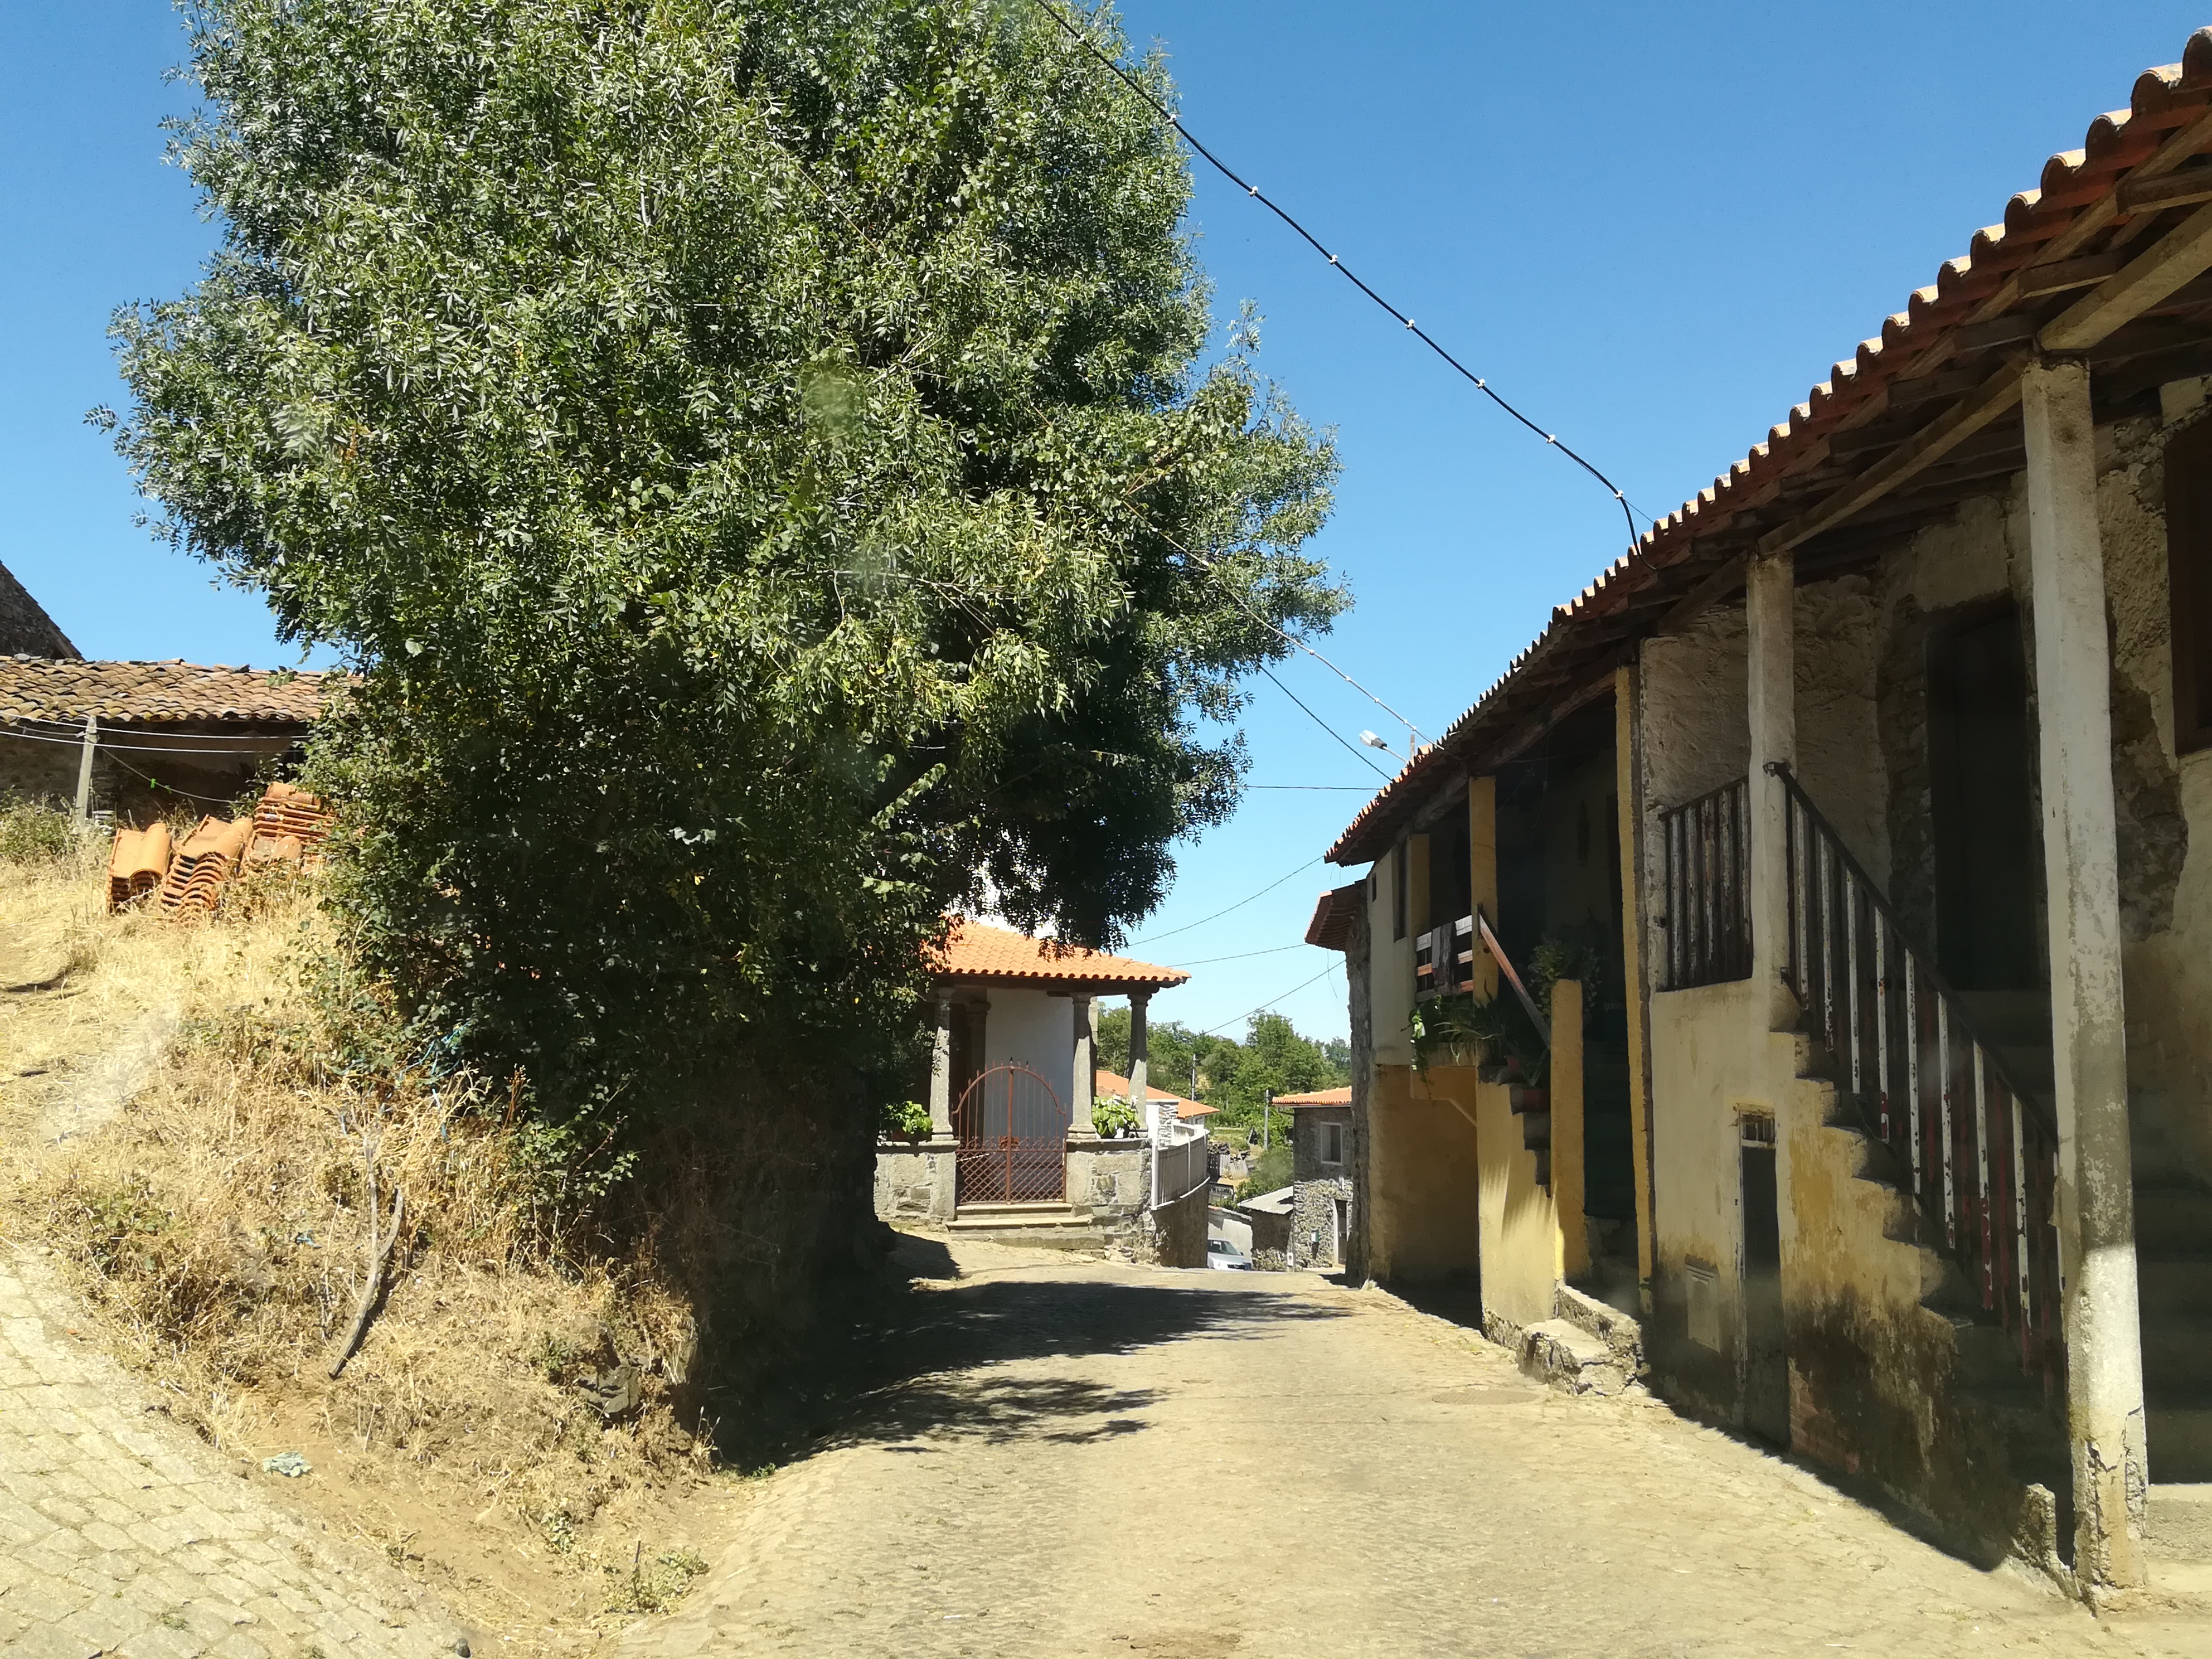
x: 1234, y: 1076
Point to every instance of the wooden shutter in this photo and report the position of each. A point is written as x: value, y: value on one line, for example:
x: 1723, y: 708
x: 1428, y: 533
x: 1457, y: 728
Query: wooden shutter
x: 2188, y: 576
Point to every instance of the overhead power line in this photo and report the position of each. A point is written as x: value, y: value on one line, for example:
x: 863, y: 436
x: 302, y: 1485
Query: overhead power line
x: 185, y: 749
x: 1243, y: 956
x: 1151, y: 938
x: 1270, y: 1003
x: 1325, y: 726
x: 1481, y: 385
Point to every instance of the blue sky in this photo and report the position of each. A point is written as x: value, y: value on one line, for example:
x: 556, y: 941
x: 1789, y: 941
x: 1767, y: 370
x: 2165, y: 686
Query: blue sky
x: 1654, y: 226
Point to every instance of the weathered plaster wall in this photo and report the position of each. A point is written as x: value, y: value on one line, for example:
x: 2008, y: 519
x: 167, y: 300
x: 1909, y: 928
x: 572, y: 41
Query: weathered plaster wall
x: 1838, y: 732
x: 1174, y: 1236
x: 2164, y: 810
x: 1390, y: 973
x: 1422, y: 1182
x: 1359, y: 1256
x: 1703, y: 1066
x: 1036, y: 1030
x: 1874, y: 1376
x: 1521, y: 1241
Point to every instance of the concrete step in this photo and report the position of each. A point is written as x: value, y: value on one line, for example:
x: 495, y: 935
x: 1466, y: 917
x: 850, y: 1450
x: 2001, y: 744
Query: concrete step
x: 1595, y: 1315
x: 2179, y: 1430
x: 2173, y: 1218
x: 985, y: 1218
x: 2178, y: 1287
x: 2181, y: 1520
x: 1562, y: 1353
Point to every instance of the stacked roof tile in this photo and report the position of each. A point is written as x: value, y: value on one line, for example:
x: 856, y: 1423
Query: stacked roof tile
x: 285, y: 825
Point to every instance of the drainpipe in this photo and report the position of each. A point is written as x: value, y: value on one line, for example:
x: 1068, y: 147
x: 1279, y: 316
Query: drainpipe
x: 2096, y: 1193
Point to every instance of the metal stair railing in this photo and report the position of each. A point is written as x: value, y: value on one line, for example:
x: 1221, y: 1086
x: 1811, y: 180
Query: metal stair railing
x: 1978, y: 1154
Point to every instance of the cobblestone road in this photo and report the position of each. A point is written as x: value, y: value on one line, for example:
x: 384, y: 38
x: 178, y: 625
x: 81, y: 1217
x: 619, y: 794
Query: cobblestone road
x: 122, y: 1534
x: 1089, y: 1460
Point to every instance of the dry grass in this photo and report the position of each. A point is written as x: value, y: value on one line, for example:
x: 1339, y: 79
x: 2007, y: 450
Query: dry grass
x: 216, y: 1219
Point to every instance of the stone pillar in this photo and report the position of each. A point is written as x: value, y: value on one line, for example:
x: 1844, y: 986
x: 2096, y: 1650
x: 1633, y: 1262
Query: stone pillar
x: 2096, y: 1198
x: 1138, y: 999
x: 1083, y: 1083
x: 1770, y: 604
x: 940, y: 1073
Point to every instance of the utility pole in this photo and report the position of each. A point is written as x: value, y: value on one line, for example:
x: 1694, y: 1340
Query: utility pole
x: 84, y: 770
x: 1266, y: 1118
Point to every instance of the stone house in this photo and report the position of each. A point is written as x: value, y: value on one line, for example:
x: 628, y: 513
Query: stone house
x: 26, y: 629
x: 1848, y: 845
x: 1320, y: 1175
x: 1012, y: 1151
x: 143, y: 740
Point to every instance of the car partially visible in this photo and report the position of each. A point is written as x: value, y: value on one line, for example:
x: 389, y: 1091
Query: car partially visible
x: 1220, y: 1252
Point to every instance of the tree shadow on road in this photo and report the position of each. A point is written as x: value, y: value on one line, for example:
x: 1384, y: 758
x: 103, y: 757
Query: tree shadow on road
x: 914, y: 1364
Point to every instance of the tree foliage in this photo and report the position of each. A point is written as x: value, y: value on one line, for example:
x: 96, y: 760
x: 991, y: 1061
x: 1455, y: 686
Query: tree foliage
x: 763, y: 460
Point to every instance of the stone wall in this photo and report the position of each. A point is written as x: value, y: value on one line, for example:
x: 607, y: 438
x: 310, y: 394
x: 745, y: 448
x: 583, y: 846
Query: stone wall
x: 1317, y: 1188
x: 913, y: 1183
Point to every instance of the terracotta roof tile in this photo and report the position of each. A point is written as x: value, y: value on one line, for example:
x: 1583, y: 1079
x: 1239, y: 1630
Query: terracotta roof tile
x: 976, y: 950
x: 1689, y: 544
x: 1113, y: 1083
x: 1318, y: 1098
x: 157, y: 693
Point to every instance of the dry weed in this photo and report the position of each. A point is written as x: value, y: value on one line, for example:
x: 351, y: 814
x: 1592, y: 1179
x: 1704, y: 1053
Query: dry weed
x: 513, y: 1399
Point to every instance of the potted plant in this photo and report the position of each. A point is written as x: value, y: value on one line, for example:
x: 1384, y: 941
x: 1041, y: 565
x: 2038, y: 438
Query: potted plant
x: 1112, y: 1118
x: 905, y: 1119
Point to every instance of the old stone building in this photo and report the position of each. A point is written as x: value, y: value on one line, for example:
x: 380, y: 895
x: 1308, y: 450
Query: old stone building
x: 1795, y: 974
x: 1320, y: 1175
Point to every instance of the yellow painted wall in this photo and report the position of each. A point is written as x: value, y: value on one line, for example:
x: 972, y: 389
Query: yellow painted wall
x: 1389, y: 974
x: 1521, y: 1258
x: 1423, y: 1181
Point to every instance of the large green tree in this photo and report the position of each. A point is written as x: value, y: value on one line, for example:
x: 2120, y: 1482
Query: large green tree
x: 765, y: 461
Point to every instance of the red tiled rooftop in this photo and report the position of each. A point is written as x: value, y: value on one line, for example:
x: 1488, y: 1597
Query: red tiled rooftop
x: 977, y: 950
x: 1318, y: 1098
x: 1113, y: 1083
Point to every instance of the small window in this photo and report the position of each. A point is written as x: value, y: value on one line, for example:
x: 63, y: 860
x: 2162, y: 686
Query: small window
x: 2188, y: 579
x: 1332, y: 1143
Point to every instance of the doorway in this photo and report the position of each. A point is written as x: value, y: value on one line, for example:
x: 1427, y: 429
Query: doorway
x: 1989, y: 855
x: 1766, y: 1342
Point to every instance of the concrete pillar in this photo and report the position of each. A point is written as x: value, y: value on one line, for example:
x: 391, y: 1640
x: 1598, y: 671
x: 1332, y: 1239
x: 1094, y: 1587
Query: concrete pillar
x: 1770, y: 606
x: 1137, y: 1084
x: 940, y: 1073
x: 1083, y: 1085
x: 84, y: 769
x: 1482, y: 857
x: 2096, y: 1196
x: 1628, y: 771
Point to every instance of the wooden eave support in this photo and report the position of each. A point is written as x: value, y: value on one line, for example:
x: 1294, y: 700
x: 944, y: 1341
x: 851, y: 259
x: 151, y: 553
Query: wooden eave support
x: 2178, y: 258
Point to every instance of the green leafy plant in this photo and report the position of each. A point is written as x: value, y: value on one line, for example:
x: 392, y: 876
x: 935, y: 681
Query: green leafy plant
x: 766, y: 464
x: 1111, y: 1115
x: 904, y: 1120
x: 33, y: 832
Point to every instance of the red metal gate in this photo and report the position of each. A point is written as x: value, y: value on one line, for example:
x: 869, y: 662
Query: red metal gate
x: 1013, y: 1138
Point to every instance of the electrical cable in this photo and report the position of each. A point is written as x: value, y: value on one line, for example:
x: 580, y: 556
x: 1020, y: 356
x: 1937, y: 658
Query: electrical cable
x: 1325, y: 726
x: 1264, y: 1007
x: 1152, y: 938
x: 1327, y: 789
x: 74, y: 733
x: 134, y: 749
x: 1253, y: 191
x: 1272, y: 950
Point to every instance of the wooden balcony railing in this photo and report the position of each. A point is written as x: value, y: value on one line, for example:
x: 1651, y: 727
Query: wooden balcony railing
x: 1443, y: 959
x: 1708, y: 914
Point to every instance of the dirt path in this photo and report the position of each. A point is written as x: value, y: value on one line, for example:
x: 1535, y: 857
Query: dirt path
x: 1085, y: 1460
